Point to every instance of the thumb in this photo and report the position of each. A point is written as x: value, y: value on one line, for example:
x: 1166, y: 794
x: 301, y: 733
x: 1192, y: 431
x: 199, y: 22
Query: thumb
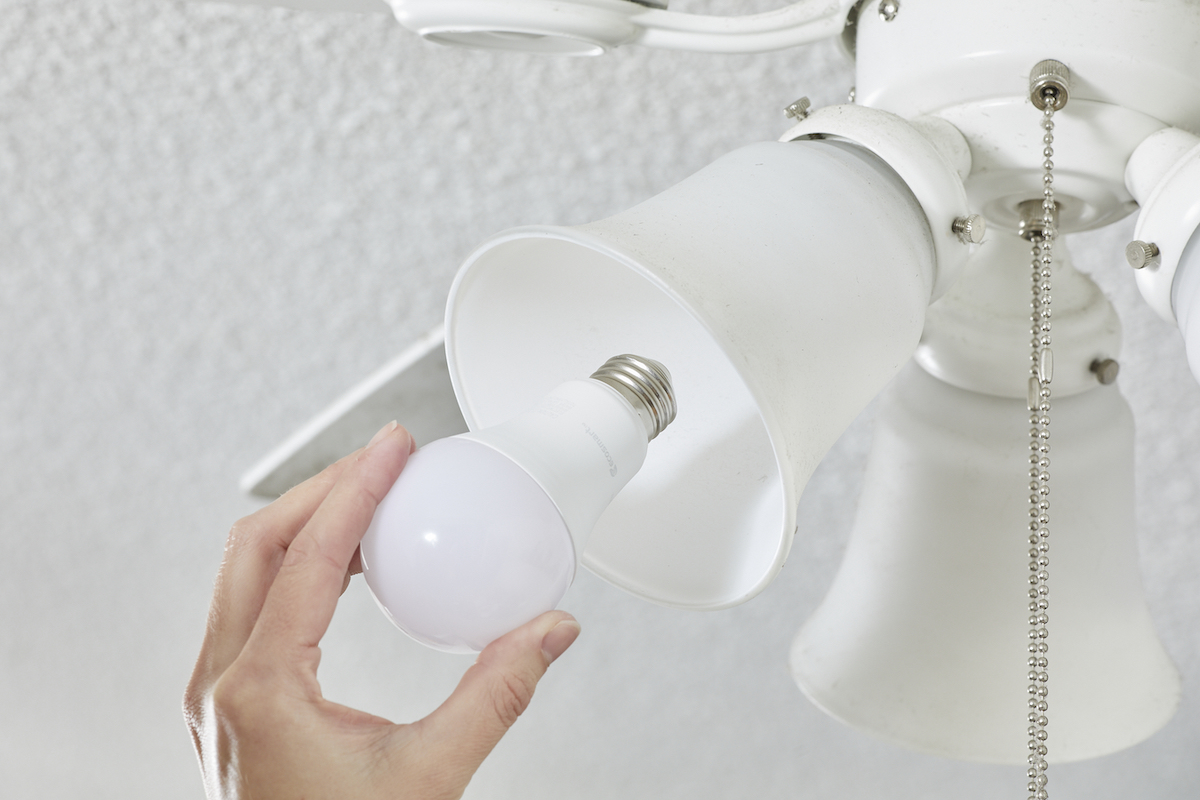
x: 494, y: 692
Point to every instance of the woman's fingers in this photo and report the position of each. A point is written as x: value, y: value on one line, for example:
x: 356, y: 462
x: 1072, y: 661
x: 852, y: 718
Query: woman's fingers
x: 302, y: 599
x: 493, y: 693
x: 253, y: 552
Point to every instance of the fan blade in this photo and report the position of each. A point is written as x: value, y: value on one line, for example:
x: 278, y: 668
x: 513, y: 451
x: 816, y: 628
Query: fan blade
x: 413, y: 388
x: 347, y: 6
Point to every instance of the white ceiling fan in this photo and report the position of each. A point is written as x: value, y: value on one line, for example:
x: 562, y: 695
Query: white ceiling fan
x: 414, y: 385
x: 944, y: 115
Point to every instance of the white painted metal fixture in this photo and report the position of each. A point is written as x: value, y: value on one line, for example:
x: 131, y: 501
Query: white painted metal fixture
x: 788, y: 282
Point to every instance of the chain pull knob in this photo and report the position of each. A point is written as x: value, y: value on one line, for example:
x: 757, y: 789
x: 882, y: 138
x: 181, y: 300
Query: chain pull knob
x: 1049, y: 84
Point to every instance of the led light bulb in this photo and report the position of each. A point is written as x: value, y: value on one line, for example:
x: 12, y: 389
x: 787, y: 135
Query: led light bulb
x: 482, y: 531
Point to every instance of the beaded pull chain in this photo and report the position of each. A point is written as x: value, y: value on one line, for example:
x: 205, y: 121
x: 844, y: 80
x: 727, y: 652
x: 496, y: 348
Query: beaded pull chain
x: 1048, y: 91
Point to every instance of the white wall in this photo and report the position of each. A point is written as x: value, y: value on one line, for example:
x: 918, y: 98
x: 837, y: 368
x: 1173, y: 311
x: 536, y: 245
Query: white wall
x: 214, y: 219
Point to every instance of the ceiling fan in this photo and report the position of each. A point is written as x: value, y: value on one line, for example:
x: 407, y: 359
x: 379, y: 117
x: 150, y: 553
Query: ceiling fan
x: 787, y: 283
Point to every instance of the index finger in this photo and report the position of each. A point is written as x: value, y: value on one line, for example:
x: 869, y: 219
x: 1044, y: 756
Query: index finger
x: 301, y: 601
x: 256, y: 547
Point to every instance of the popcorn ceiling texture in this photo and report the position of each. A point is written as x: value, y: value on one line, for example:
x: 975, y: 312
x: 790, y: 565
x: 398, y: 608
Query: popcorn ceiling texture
x: 216, y: 218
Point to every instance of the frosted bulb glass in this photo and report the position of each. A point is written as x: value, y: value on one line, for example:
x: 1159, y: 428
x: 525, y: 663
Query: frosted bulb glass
x: 482, y: 532
x: 465, y: 547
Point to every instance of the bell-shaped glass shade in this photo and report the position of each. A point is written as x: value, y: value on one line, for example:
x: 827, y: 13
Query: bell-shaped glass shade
x: 784, y: 285
x: 922, y: 638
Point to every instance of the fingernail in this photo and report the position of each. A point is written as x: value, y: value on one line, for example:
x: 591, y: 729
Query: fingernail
x: 384, y: 431
x: 560, y: 637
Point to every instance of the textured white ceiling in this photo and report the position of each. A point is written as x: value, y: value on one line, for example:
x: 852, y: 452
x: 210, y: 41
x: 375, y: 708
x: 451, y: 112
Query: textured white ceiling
x: 213, y: 219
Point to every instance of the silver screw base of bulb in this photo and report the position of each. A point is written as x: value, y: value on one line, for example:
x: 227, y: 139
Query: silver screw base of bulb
x: 646, y: 384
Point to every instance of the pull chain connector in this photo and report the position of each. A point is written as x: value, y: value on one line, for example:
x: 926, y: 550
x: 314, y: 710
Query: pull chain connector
x: 1048, y: 91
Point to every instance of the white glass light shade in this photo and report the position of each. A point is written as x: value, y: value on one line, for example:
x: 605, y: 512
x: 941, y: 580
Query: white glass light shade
x: 922, y: 638
x: 1185, y: 298
x: 784, y: 284
x: 479, y: 533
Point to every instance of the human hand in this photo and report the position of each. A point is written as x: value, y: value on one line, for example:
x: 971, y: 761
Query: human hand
x: 262, y: 728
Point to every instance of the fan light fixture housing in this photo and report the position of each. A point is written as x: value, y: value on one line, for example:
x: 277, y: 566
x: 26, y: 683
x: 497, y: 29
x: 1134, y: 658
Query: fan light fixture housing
x: 788, y: 282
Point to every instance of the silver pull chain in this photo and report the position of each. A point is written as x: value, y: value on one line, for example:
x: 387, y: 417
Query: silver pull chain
x: 1048, y: 90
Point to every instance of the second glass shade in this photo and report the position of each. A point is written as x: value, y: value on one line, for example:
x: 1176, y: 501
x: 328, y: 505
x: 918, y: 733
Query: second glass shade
x: 922, y: 638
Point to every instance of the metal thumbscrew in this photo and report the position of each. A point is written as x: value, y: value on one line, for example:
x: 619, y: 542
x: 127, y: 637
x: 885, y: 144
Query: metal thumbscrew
x: 798, y: 110
x: 1105, y: 369
x: 888, y: 9
x: 970, y: 229
x: 1141, y: 254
